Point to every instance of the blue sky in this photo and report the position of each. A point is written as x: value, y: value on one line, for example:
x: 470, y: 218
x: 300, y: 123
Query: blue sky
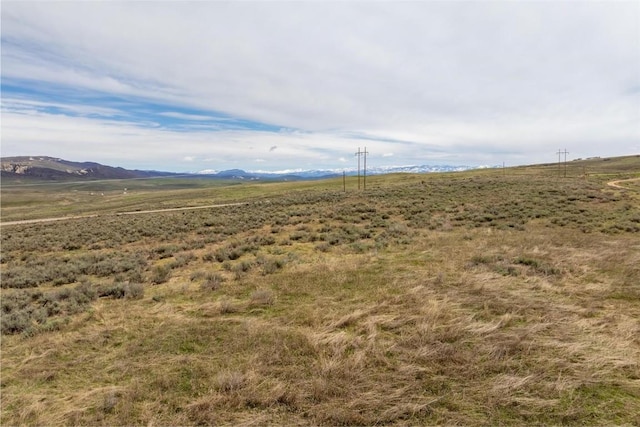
x: 187, y: 86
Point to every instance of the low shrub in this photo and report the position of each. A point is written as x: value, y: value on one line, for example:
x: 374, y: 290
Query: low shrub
x: 133, y: 291
x: 182, y: 259
x: 270, y: 265
x: 213, y: 282
x: 116, y: 291
x: 262, y: 297
x: 28, y: 311
x: 323, y: 247
x: 160, y: 274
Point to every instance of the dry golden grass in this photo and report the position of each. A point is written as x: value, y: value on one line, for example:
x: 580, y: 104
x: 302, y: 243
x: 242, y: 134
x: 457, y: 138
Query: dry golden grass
x: 535, y: 324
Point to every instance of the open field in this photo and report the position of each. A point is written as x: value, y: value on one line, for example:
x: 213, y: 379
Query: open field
x: 495, y: 297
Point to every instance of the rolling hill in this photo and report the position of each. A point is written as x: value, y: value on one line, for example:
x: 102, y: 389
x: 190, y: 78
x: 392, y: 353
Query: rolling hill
x: 43, y: 168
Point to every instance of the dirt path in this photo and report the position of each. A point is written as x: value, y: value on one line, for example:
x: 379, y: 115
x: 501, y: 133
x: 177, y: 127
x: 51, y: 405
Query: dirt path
x: 66, y: 218
x: 35, y: 221
x: 616, y: 184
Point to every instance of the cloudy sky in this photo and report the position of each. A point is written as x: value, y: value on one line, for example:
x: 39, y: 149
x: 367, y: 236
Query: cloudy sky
x: 186, y: 86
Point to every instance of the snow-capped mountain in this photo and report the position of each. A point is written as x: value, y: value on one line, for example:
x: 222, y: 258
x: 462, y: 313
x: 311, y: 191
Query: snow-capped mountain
x: 293, y: 174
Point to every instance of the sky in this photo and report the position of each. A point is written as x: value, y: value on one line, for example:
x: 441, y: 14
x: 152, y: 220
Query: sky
x: 185, y: 86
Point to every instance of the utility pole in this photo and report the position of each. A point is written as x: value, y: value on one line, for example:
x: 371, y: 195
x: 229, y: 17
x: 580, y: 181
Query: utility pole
x: 565, y: 152
x: 365, y: 167
x: 359, y: 153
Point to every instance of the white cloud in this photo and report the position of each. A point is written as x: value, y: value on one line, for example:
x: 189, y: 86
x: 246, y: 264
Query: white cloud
x: 469, y: 83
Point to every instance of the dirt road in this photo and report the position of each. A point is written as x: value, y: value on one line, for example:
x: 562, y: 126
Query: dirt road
x: 616, y: 184
x: 67, y: 218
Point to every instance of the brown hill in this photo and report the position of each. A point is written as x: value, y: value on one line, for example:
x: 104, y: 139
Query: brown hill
x: 43, y: 168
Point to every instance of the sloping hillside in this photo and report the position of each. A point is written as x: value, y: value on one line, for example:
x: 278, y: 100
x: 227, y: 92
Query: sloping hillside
x: 42, y: 168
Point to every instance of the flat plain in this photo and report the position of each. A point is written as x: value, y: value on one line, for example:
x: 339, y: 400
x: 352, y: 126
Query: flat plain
x: 492, y: 297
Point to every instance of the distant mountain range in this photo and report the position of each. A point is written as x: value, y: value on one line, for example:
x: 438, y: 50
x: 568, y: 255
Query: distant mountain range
x: 43, y: 168
x: 300, y: 174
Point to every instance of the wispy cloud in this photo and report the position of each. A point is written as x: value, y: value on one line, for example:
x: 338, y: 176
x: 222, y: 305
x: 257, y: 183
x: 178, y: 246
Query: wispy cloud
x: 470, y: 83
x: 19, y: 105
x: 183, y: 116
